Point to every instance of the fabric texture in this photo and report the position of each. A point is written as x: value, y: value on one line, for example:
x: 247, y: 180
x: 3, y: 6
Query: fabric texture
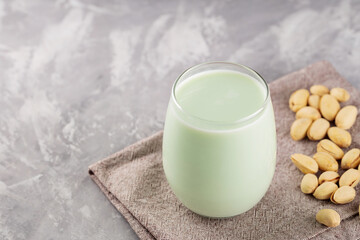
x: 134, y: 182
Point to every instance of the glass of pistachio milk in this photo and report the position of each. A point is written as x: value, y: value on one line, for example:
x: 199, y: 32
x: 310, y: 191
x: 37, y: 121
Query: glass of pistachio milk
x: 219, y: 143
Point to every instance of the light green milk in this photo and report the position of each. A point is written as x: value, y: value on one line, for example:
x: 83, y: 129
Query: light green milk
x: 215, y: 166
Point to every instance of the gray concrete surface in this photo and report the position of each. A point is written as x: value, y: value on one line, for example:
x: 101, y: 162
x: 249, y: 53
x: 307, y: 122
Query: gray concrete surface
x: 81, y: 80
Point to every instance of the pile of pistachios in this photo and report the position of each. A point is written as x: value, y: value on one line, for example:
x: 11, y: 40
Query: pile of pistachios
x: 316, y: 111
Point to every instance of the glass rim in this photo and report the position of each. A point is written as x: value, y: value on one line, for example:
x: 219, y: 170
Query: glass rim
x: 214, y: 122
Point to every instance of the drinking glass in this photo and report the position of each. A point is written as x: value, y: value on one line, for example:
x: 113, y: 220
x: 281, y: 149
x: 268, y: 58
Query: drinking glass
x: 219, y: 168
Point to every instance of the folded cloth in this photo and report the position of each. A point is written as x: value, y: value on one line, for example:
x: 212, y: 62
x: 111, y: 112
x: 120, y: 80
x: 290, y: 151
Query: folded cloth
x: 133, y: 179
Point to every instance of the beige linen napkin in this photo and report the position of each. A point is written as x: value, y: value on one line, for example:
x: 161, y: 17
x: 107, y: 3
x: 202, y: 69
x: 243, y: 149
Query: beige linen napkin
x: 134, y: 181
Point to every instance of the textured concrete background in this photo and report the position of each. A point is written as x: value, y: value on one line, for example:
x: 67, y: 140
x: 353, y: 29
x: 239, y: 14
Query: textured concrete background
x: 81, y: 80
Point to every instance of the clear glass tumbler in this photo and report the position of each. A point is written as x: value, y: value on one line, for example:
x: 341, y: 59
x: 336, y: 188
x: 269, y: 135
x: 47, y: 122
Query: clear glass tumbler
x: 219, y: 144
